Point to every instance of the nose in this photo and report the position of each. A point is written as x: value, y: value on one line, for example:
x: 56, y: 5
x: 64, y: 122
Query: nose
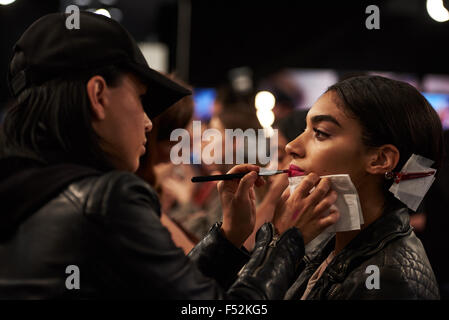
x: 148, y: 124
x: 295, y: 148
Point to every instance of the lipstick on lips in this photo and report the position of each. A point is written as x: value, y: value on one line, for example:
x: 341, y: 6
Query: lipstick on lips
x: 295, y: 171
x: 292, y: 171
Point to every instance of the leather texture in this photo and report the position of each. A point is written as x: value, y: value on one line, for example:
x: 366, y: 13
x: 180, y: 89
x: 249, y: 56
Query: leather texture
x: 388, y: 243
x: 273, y: 265
x: 109, y: 227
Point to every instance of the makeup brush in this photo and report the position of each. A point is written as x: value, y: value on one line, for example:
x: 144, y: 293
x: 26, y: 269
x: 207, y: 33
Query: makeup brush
x: 293, y: 171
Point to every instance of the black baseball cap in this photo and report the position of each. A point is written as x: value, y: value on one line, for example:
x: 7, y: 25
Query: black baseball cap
x: 49, y: 49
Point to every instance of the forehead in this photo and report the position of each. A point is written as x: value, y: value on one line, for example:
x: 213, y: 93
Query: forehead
x: 327, y: 105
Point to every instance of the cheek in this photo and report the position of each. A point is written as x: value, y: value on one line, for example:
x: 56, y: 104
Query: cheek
x: 334, y: 157
x: 129, y: 135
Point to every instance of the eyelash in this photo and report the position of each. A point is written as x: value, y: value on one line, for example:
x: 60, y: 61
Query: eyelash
x: 319, y: 133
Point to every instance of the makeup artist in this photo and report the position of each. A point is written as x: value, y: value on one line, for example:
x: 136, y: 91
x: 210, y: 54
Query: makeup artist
x: 71, y: 204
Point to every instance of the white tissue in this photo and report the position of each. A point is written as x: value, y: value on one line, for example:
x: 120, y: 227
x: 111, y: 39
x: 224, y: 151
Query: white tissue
x: 411, y: 192
x: 348, y: 203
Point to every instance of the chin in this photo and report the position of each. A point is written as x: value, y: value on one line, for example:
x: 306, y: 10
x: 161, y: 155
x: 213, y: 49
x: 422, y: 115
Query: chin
x: 135, y: 167
x: 130, y: 166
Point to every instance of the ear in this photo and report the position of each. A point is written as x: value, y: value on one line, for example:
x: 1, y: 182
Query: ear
x: 97, y: 93
x: 382, y: 159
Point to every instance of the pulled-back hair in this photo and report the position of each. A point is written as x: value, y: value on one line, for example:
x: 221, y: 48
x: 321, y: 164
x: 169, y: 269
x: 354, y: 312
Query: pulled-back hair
x: 392, y: 112
x: 52, y: 121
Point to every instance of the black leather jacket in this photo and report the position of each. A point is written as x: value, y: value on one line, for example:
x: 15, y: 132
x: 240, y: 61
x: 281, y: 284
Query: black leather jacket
x: 108, y: 226
x: 388, y: 243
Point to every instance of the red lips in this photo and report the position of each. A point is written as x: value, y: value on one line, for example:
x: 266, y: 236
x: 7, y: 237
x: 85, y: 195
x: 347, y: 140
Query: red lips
x: 295, y: 171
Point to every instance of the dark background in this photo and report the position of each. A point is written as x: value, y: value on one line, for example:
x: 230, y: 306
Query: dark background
x: 268, y: 35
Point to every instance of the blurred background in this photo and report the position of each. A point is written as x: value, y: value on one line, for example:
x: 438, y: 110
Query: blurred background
x: 259, y: 45
x: 274, y: 58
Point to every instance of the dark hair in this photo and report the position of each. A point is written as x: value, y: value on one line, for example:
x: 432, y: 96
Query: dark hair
x: 392, y: 112
x: 52, y: 121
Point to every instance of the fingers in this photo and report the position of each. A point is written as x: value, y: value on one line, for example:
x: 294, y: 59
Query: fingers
x: 252, y: 194
x: 241, y: 168
x: 306, y: 185
x: 314, y: 205
x: 260, y: 181
x: 329, y: 220
x: 244, y: 168
x: 220, y: 185
x: 279, y: 184
x: 285, y: 195
x: 326, y: 202
x: 246, y: 183
x: 321, y: 190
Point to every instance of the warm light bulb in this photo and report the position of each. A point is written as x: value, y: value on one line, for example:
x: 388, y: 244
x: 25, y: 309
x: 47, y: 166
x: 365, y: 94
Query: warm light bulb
x: 103, y: 12
x: 437, y: 11
x: 266, y: 117
x: 6, y: 2
x: 264, y: 100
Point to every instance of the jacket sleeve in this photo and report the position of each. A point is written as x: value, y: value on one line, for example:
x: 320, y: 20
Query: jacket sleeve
x: 218, y: 258
x: 134, y: 251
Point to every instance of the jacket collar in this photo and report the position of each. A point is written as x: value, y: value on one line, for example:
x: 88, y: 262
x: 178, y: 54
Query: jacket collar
x: 391, y: 225
x: 27, y: 184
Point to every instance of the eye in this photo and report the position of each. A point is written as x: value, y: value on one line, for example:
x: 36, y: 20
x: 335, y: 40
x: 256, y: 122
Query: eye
x: 320, y: 135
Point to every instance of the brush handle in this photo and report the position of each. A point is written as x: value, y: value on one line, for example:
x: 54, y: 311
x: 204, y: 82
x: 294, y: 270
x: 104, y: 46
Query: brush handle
x: 219, y: 177
x: 235, y: 175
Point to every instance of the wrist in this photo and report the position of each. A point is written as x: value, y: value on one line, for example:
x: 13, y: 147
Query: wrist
x: 272, y: 198
x: 279, y: 227
x: 235, y: 238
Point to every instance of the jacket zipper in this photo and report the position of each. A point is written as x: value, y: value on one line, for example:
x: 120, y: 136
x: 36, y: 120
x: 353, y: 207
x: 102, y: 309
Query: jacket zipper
x: 274, y: 241
x: 334, y: 289
x: 306, y: 260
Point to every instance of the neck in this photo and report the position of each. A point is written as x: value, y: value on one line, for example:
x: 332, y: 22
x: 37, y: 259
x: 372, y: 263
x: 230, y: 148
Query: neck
x: 372, y: 202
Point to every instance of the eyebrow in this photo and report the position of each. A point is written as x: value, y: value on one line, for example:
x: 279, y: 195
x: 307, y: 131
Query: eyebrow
x: 325, y: 117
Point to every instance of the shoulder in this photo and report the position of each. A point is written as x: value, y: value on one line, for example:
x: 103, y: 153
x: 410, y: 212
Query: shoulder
x: 112, y: 191
x: 407, y: 257
x: 401, y: 270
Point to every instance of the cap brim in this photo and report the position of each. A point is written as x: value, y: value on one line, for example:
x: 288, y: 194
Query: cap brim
x: 162, y: 91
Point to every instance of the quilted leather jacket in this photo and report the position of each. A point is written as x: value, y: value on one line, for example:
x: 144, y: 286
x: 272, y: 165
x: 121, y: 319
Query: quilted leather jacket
x: 108, y: 227
x: 389, y: 244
